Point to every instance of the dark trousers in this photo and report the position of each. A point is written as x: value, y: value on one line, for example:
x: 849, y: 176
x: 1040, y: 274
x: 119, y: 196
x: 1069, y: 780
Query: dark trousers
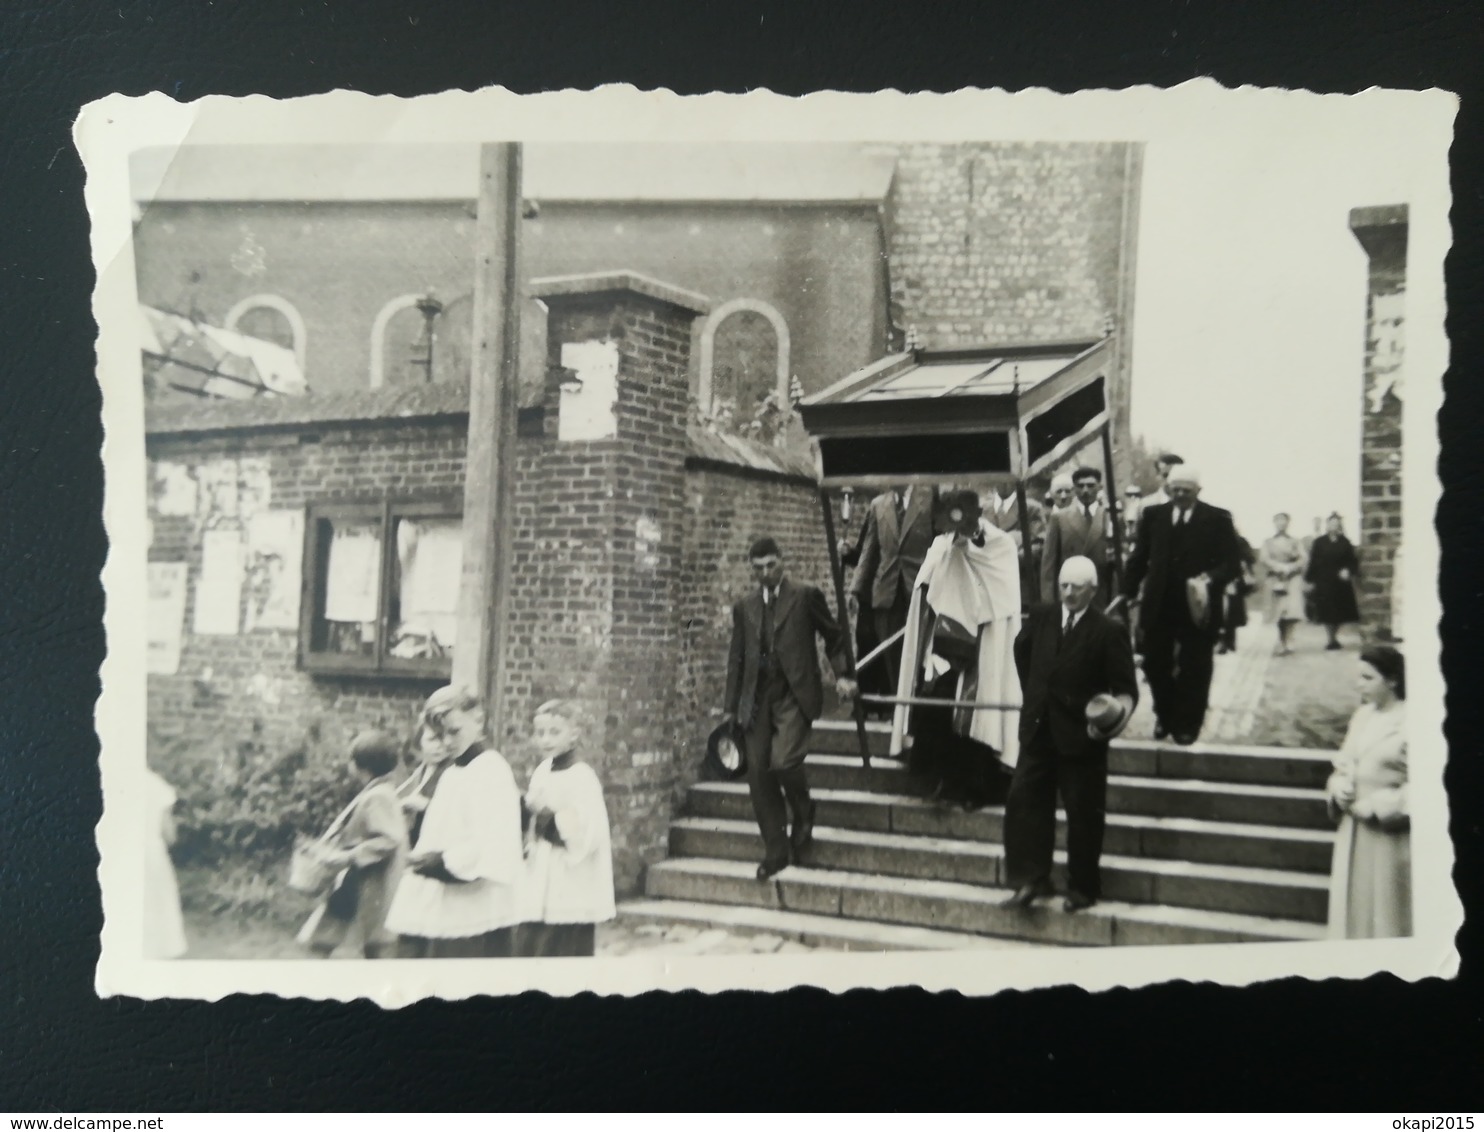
x: 558, y: 940
x: 1178, y: 662
x: 777, y: 740
x: 1030, y: 814
x: 889, y: 621
x: 499, y: 944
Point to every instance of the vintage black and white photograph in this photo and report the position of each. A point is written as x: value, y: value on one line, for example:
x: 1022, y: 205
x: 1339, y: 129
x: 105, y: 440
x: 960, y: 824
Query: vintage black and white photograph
x: 863, y: 540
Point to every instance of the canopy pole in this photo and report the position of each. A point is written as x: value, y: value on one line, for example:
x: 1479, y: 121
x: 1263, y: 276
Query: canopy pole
x: 846, y: 636
x: 1114, y: 510
x: 1027, y: 573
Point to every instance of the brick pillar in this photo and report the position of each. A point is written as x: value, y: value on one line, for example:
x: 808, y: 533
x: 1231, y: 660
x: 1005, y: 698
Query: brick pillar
x: 601, y: 504
x: 1382, y: 232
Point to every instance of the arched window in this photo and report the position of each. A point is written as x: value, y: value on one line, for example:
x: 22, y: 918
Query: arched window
x: 744, y: 355
x: 399, y: 342
x: 271, y: 318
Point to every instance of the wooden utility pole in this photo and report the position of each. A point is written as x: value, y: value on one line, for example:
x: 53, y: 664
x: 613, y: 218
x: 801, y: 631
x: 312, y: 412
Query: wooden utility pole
x: 489, y: 463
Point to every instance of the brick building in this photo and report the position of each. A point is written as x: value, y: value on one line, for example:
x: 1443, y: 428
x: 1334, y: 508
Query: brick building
x: 296, y: 593
x: 815, y: 258
x: 1382, y: 232
x: 624, y: 548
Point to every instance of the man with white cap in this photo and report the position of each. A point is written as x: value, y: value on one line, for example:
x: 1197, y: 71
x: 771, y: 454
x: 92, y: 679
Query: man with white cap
x: 1079, y: 689
x: 1185, y: 555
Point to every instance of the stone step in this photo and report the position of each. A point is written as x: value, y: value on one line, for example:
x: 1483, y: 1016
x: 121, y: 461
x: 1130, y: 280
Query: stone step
x: 1223, y: 888
x: 1130, y: 794
x: 1129, y: 835
x: 1216, y: 762
x: 956, y: 907
x: 826, y: 932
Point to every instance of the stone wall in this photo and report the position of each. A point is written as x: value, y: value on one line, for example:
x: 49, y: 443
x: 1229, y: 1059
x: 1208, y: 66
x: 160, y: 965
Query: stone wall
x: 1382, y: 232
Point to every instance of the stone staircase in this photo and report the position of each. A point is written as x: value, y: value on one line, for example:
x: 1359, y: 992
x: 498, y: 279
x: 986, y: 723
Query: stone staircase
x: 1205, y: 844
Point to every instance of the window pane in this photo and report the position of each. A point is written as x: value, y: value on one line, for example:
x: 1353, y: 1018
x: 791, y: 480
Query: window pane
x: 425, y: 587
x: 352, y: 592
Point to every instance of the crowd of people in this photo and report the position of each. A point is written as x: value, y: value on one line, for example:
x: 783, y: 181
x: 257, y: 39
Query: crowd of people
x: 450, y: 861
x: 1037, y: 656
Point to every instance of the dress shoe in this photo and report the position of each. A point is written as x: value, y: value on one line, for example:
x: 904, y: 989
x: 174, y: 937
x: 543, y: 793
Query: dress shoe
x: 1076, y: 902
x: 769, y: 869
x: 803, y: 831
x: 1160, y: 730
x: 1332, y: 646
x: 1185, y: 739
x: 1028, y: 894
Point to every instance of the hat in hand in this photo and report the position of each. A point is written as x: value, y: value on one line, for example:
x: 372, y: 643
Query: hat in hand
x: 724, y: 756
x: 1105, y: 716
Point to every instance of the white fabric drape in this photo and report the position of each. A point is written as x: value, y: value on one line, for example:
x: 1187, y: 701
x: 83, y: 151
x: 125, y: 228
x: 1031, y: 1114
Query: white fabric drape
x: 979, y: 587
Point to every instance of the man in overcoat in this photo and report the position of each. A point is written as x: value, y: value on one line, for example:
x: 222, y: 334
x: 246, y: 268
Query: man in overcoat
x: 774, y: 694
x: 1185, y: 555
x: 895, y: 536
x: 1068, y: 655
x: 1079, y: 530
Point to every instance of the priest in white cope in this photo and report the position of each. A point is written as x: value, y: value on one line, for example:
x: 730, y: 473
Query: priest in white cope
x: 971, y: 576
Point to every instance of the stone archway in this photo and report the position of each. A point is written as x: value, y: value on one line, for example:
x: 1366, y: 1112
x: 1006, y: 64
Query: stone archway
x: 708, y: 345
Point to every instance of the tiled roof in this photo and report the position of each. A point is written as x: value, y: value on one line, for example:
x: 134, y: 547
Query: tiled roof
x: 407, y: 402
x: 722, y: 448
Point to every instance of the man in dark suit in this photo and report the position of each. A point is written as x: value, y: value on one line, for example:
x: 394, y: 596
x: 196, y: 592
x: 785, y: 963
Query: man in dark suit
x: 1068, y: 655
x: 895, y: 536
x: 774, y: 695
x: 1185, y: 555
x: 1078, y: 530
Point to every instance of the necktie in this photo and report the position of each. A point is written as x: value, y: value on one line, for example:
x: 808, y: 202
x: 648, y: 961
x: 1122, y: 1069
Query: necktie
x: 768, y: 601
x: 1087, y: 510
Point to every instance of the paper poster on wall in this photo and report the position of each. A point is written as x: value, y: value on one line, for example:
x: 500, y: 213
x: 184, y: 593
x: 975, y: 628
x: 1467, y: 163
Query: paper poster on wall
x: 587, y: 411
x: 254, y: 486
x: 216, y: 500
x: 175, y: 491
x: 166, y: 617
x: 219, y: 589
x: 275, y: 549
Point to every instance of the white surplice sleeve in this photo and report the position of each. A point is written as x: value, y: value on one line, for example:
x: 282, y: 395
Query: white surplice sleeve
x: 483, y: 839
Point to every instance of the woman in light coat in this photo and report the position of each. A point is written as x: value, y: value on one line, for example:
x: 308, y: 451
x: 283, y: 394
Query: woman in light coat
x: 1283, y: 561
x: 1371, y: 881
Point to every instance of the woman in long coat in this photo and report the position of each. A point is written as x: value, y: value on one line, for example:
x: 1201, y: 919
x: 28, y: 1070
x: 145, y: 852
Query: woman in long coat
x: 1283, y: 562
x: 1332, y: 571
x: 1371, y: 881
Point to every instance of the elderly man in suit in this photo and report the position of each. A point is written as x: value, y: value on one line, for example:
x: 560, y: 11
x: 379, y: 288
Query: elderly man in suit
x: 895, y: 536
x: 1077, y: 679
x: 1063, y: 491
x: 1185, y: 555
x: 1079, y: 530
x: 774, y: 695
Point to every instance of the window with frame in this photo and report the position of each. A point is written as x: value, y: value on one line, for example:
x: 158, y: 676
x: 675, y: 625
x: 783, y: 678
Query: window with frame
x: 382, y: 582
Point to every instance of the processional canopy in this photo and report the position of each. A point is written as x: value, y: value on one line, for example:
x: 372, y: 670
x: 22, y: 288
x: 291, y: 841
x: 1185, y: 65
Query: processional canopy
x: 990, y: 412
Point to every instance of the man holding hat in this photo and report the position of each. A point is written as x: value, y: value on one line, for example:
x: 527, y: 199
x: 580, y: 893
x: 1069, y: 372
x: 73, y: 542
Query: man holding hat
x: 1077, y: 676
x: 774, y: 694
x: 1185, y: 555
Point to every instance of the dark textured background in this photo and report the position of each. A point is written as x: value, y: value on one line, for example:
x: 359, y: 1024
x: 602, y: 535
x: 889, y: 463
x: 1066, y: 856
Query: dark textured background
x: 1381, y: 1045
